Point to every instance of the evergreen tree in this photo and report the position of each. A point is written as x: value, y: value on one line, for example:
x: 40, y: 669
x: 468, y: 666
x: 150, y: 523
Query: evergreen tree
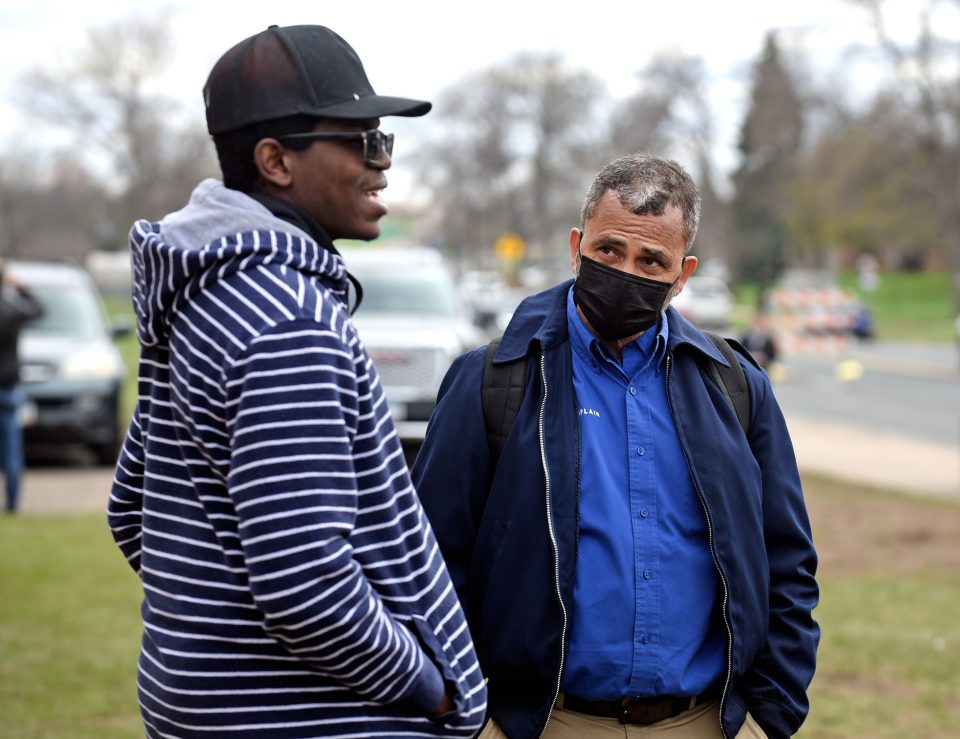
x: 770, y: 141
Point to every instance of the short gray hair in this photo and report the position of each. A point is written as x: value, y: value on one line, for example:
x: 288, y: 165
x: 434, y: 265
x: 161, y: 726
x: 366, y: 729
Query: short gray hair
x: 647, y: 184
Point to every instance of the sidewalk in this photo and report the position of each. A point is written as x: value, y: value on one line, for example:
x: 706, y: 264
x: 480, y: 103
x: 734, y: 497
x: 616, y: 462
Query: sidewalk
x: 66, y: 490
x: 844, y: 452
x: 876, y: 459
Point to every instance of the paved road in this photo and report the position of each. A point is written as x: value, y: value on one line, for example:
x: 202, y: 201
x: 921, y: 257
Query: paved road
x: 907, y: 389
x: 846, y: 452
x: 887, y: 414
x: 895, y: 425
x: 65, y: 489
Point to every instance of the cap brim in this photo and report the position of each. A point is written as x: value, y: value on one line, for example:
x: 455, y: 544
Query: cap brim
x: 375, y: 106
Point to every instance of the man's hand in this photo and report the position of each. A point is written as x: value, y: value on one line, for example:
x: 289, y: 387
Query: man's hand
x: 446, y: 705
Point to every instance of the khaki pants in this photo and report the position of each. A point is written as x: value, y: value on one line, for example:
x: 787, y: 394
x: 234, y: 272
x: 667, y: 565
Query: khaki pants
x: 703, y: 722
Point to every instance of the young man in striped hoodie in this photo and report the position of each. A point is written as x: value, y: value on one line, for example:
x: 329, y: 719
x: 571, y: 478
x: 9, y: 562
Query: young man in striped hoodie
x: 292, y: 585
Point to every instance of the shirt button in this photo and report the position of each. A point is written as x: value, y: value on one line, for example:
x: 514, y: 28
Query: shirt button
x: 633, y: 390
x: 647, y: 574
x: 645, y: 639
x: 641, y: 451
x: 644, y: 513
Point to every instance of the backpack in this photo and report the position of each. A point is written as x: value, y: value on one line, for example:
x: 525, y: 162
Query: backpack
x: 504, y: 384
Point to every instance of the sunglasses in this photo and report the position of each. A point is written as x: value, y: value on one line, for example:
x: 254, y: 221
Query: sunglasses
x: 377, y: 145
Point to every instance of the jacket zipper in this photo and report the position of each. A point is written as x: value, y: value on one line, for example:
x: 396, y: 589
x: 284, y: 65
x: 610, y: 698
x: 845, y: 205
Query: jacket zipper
x: 553, y: 539
x: 713, y: 553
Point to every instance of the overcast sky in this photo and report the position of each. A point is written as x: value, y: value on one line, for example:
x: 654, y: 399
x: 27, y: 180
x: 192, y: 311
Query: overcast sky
x: 416, y: 48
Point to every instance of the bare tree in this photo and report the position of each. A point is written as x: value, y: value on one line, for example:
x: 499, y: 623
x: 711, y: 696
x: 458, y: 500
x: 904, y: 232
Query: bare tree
x: 927, y: 84
x: 555, y: 104
x: 46, y: 212
x: 652, y: 118
x: 510, y: 154
x: 862, y: 187
x: 104, y: 95
x: 669, y: 115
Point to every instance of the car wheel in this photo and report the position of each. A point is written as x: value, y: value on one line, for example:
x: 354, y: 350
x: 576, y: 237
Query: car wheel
x: 108, y: 452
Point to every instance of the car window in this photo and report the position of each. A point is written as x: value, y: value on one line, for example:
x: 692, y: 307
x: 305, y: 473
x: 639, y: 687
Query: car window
x: 706, y: 286
x: 68, y: 311
x: 422, y: 292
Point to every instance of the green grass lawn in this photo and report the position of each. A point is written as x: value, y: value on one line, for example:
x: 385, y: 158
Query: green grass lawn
x: 890, y: 594
x: 890, y: 654
x: 889, y: 658
x: 130, y: 350
x: 69, y: 630
x: 906, y: 306
x: 915, y: 306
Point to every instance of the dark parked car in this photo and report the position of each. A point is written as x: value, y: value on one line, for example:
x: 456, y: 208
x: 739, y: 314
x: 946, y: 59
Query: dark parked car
x: 71, y: 371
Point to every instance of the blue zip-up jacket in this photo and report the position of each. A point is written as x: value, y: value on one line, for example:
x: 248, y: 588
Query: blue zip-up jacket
x: 292, y: 585
x: 509, y: 534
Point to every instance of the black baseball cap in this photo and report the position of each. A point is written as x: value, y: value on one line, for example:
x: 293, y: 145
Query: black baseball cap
x: 294, y: 70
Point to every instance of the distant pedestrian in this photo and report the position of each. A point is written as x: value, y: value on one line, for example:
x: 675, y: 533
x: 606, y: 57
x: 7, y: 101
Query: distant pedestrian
x: 18, y: 307
x: 760, y: 341
x: 868, y: 272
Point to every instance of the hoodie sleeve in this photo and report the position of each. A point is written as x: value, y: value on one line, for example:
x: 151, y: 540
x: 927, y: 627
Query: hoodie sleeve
x: 125, y: 507
x: 292, y: 415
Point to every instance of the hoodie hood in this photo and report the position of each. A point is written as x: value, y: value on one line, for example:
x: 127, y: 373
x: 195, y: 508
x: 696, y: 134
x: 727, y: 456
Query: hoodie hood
x: 218, y: 233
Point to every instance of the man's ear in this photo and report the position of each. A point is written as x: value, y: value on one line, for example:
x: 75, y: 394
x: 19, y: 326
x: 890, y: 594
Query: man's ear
x: 576, y: 236
x: 688, y: 267
x: 272, y: 163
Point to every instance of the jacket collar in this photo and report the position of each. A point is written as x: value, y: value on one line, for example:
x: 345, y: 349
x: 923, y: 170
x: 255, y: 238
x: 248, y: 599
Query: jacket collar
x: 542, y: 319
x: 682, y: 332
x: 539, y: 319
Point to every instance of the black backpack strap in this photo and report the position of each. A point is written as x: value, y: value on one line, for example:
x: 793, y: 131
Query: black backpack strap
x: 731, y: 380
x: 503, y: 386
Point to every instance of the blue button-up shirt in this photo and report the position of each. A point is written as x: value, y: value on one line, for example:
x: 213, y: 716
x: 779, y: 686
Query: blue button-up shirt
x: 646, y: 612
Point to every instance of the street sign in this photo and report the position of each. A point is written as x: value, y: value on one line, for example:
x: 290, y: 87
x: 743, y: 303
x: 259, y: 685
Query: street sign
x: 510, y: 247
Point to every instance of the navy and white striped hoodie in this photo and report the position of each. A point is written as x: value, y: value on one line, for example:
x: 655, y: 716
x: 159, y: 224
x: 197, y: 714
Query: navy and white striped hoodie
x: 292, y: 585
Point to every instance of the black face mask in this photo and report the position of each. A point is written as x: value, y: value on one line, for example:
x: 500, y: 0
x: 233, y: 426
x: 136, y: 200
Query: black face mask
x: 618, y: 304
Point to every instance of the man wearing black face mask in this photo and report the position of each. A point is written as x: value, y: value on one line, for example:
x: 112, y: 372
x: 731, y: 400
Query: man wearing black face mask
x: 633, y: 560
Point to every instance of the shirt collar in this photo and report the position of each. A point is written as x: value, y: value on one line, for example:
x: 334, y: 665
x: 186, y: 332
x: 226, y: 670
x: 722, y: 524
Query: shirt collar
x: 291, y: 213
x: 592, y: 350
